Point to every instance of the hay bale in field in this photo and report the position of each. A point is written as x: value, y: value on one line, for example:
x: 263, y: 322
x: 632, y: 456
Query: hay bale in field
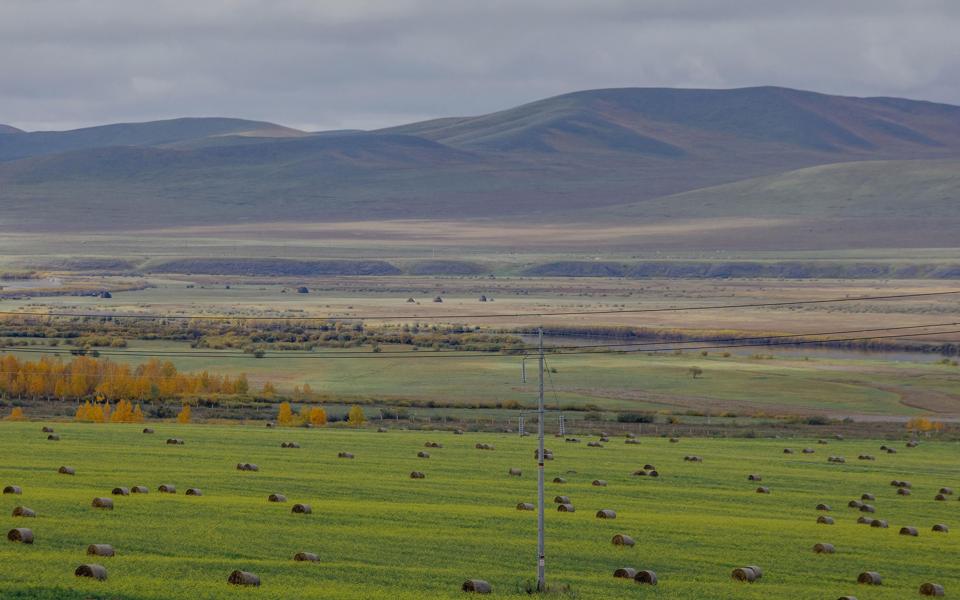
x: 837, y: 436
x: 822, y: 442
x: 594, y: 445
x: 646, y: 577
x: 139, y: 489
x: 940, y: 498
x: 306, y: 557
x: 865, y: 521
x: 911, y: 531
x: 631, y: 436
x: 344, y: 455
x: 559, y: 480
x: 867, y: 497
x: 561, y: 500
x: 12, y: 489
x: 457, y: 432
x: 674, y: 440
x: 100, y: 550
x: 809, y: 451
x: 417, y: 475
x: 243, y: 578
x: 866, y: 457
x: 754, y: 477
x: 606, y: 513
x: 98, y: 572
x: 476, y: 586
x: 604, y: 439
x: 763, y: 490
x: 913, y: 444
x: 932, y: 589
x: 847, y: 598
x: 631, y: 441
x: 194, y: 492
x: 891, y: 450
x: 598, y: 483
x: 271, y: 424
x: 870, y: 578
x: 693, y: 458
x: 484, y: 447
x: 566, y: 507
x: 946, y: 491
x: 20, y: 535
x: 147, y: 430
x: 106, y: 503
x: 903, y: 492
x: 868, y: 508
x: 120, y: 491
x: 47, y: 429
x: 276, y: 498
x: 905, y: 484
x: 423, y: 454
x: 746, y: 574
x: 895, y: 483
x: 247, y: 467
x: 67, y: 471
x: 855, y: 504
x: 940, y: 528
x: 879, y: 524
x: 653, y: 474
x: 825, y: 507
x: 174, y: 442
x: 640, y: 473
x: 381, y: 429
x: 825, y: 520
x: 23, y: 511
x: 837, y: 459
x: 573, y: 440
x: 525, y: 506
x: 289, y: 445
x: 515, y: 472
x: 622, y: 539
x: 167, y: 488
x: 434, y: 445
x: 822, y: 548
x: 53, y: 437
x: 625, y: 573
x: 788, y: 450
x: 302, y: 509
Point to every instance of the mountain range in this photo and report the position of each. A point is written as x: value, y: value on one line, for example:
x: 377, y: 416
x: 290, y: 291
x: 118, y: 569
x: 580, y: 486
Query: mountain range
x: 611, y: 155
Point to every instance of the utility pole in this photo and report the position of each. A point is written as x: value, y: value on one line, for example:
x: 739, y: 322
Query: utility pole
x: 523, y: 369
x: 541, y: 560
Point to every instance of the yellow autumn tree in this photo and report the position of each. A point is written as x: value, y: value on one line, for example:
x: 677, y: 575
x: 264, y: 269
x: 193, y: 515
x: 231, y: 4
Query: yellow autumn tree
x: 317, y: 416
x: 16, y: 414
x: 356, y: 417
x: 285, y: 416
x: 268, y: 391
x: 138, y: 414
x: 184, y: 415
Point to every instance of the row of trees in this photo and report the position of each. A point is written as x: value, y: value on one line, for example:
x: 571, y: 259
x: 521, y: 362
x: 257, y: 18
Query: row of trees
x: 101, y: 412
x: 315, y: 415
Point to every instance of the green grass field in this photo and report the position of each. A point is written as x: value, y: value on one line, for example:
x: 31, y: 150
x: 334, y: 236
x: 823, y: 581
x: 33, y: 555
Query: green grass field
x: 380, y: 534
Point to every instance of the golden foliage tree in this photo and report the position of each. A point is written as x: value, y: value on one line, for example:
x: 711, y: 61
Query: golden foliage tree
x: 184, y: 415
x: 317, y: 416
x: 355, y: 417
x: 16, y: 414
x: 285, y: 416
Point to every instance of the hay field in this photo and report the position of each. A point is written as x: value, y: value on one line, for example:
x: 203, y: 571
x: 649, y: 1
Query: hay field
x: 380, y: 534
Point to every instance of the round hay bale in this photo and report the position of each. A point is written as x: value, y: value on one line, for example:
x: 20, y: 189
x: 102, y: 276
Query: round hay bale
x: 243, y: 578
x: 120, y: 491
x: 457, y: 432
x: 754, y: 477
x: 46, y: 429
x: 476, y: 586
x: 194, y: 492
x: 674, y: 440
x: 640, y: 473
x: 622, y: 539
x: 932, y: 589
x: 913, y: 444
x: 654, y: 474
x: 903, y: 492
x: 746, y: 574
x: 67, y: 471
x: 822, y: 442
x: 866, y: 457
x: 139, y: 489
x: 525, y: 506
x: 167, y: 488
x: 106, y: 503
x: 562, y: 500
x: 825, y: 507
x: 148, y: 430
x: 946, y: 491
x: 53, y: 437
x: 247, y: 467
x: 809, y: 451
x: 625, y: 573
x: 100, y: 550
x: 868, y: 508
x: 855, y: 504
x: 515, y: 472
x: 824, y: 548
x: 306, y: 557
x: 559, y: 480
x: 870, y: 497
x: 271, y: 424
x: 20, y: 535
x: 23, y: 511
x: 763, y: 490
x: 788, y: 450
x: 594, y: 445
x: 847, y: 598
x: 423, y: 454
x: 940, y: 498
x: 606, y: 513
x: 599, y: 483
x: 97, y: 572
x: 895, y: 483
x: 276, y: 498
x: 879, y: 524
x: 911, y: 531
x: 891, y: 450
x: 303, y: 509
x: 646, y: 577
x: 12, y: 489
x: 174, y: 442
x: 604, y: 439
x: 417, y: 475
x: 573, y: 440
x: 825, y: 520
x: 940, y: 528
x: 865, y: 521
x: 905, y: 484
x: 870, y: 578
x: 381, y: 429
x: 289, y: 445
x: 433, y: 445
x: 566, y: 507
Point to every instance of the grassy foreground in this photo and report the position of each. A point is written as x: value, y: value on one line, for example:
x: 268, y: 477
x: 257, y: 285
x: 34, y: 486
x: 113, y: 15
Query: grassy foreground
x: 380, y: 534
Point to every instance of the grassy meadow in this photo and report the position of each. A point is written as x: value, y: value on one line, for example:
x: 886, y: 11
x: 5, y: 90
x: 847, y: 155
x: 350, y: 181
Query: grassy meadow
x: 380, y: 534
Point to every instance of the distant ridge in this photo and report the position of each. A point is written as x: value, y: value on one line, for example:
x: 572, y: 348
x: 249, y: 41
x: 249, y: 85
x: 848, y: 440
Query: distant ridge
x: 9, y: 129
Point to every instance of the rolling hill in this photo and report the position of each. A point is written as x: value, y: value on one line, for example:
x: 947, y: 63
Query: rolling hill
x: 614, y: 155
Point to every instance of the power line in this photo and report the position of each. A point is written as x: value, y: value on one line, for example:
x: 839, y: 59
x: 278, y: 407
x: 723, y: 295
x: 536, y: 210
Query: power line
x: 155, y: 317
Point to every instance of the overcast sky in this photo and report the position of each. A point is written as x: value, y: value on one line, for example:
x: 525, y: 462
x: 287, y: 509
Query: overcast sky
x: 325, y: 64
